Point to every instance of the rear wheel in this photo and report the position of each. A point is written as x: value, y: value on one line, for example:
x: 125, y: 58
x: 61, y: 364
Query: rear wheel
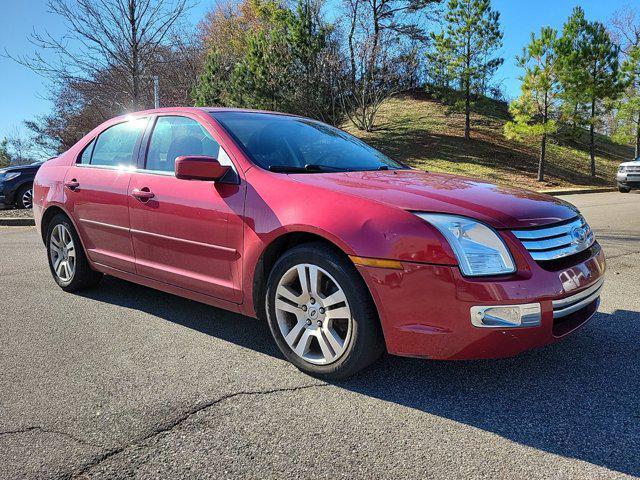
x: 67, y: 259
x: 24, y: 199
x: 320, y: 313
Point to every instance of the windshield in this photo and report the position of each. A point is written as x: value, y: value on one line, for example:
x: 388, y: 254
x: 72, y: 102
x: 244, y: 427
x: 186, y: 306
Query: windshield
x: 292, y: 144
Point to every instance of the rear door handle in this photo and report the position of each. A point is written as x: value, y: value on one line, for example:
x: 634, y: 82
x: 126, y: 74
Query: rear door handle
x: 142, y: 194
x: 72, y: 184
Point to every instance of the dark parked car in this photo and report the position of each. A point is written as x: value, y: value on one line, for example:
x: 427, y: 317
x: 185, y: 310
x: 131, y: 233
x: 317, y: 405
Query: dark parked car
x: 16, y: 185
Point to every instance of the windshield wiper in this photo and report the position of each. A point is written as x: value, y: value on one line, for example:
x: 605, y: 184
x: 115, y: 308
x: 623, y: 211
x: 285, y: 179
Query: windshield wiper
x: 286, y: 169
x: 309, y: 167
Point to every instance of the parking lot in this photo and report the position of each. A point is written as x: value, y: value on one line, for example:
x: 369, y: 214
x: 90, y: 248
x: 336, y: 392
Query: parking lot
x: 126, y: 381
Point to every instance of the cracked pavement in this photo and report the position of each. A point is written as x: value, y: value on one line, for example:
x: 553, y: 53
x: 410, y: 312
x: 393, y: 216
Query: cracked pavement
x: 123, y: 381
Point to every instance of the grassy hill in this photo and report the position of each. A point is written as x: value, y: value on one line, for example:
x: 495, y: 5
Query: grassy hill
x: 419, y: 131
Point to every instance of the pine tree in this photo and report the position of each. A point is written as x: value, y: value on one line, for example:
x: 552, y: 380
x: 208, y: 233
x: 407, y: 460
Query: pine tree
x: 469, y: 42
x: 629, y: 108
x: 588, y: 61
x: 283, y: 62
x: 210, y: 89
x: 533, y: 110
x: 5, y: 157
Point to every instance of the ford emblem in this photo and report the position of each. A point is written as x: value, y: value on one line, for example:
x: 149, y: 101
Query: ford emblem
x: 579, y: 235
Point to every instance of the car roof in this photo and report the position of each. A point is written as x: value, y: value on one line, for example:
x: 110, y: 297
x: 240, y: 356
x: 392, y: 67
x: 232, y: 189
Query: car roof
x: 166, y: 110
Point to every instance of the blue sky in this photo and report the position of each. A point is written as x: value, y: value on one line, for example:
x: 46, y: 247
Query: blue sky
x: 22, y: 93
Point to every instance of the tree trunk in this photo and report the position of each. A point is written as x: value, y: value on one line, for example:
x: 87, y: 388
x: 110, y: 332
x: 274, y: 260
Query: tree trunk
x: 467, y: 111
x: 637, y: 155
x: 543, y: 143
x: 467, y: 92
x: 543, y: 152
x: 135, y: 60
x: 592, y: 138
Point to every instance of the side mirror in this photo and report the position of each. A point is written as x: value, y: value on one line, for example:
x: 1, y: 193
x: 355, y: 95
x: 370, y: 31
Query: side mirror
x: 199, y: 167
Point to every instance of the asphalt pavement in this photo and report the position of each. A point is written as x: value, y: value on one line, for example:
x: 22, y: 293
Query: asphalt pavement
x: 124, y: 381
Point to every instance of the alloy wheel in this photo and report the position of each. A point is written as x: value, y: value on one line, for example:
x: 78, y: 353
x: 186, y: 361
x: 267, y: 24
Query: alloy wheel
x: 27, y: 198
x: 313, y: 314
x: 63, y: 253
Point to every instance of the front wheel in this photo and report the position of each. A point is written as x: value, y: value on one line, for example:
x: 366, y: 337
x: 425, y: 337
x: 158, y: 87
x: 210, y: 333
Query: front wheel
x: 624, y: 189
x: 321, y: 314
x: 24, y: 198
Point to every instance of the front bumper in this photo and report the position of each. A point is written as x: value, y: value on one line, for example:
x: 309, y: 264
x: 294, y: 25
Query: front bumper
x: 425, y: 310
x: 628, y: 181
x: 4, y: 198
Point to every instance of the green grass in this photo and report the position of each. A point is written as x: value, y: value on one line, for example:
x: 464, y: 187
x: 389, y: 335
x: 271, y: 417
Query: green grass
x: 422, y: 133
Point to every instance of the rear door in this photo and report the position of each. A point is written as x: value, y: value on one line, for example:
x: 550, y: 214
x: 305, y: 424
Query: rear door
x: 97, y: 191
x: 189, y: 233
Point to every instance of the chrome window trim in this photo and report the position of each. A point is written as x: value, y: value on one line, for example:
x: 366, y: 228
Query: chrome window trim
x: 569, y: 305
x: 123, y: 168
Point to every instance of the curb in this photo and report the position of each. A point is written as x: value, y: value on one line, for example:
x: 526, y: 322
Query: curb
x: 575, y: 191
x: 17, y: 222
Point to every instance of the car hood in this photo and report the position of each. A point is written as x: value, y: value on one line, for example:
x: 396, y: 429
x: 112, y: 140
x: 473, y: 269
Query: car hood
x: 20, y: 168
x: 499, y: 206
x: 632, y: 162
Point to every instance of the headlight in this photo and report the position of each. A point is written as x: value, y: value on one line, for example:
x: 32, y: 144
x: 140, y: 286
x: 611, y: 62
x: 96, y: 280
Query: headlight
x: 478, y: 248
x: 621, y: 168
x: 10, y: 175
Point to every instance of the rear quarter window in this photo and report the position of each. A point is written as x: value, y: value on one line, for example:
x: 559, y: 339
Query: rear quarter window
x: 85, y: 157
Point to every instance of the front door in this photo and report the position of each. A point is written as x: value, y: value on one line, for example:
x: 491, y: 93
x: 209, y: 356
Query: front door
x: 186, y: 233
x: 97, y: 191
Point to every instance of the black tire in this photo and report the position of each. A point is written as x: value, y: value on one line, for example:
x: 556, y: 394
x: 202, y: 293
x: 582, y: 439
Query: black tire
x: 19, y: 196
x: 366, y: 342
x: 624, y: 189
x: 84, y: 276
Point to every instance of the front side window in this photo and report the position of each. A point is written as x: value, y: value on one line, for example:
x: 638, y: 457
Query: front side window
x: 115, y: 146
x: 174, y: 137
x: 284, y: 143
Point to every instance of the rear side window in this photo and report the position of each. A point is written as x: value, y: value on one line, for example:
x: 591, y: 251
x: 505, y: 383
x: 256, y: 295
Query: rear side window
x: 174, y: 137
x: 115, y: 146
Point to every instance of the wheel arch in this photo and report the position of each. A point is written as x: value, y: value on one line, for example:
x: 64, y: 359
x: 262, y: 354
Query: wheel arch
x: 49, y: 213
x: 273, y: 251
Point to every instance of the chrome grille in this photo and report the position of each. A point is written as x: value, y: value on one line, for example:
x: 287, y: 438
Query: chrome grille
x: 556, y: 241
x: 632, y: 169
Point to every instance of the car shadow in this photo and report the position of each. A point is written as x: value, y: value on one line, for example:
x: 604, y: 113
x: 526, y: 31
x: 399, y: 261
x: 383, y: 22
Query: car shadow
x: 579, y: 398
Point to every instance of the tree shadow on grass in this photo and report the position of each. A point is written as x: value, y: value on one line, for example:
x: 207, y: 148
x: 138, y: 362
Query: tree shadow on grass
x: 483, y: 149
x: 578, y: 398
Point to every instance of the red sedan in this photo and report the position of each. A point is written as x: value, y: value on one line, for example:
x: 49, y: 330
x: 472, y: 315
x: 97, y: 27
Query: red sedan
x: 342, y: 250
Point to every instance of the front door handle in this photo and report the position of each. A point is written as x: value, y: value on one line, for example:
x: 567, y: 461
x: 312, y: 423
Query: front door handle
x: 142, y: 194
x: 72, y: 184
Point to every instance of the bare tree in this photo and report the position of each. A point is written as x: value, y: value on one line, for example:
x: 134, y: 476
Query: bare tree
x: 381, y: 56
x: 20, y: 148
x: 625, y: 28
x: 624, y: 119
x: 79, y: 106
x: 110, y: 44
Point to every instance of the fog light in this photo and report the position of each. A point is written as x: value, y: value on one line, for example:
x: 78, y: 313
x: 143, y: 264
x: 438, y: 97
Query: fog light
x: 506, y: 316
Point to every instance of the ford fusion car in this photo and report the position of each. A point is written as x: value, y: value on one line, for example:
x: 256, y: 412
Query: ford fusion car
x: 345, y: 252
